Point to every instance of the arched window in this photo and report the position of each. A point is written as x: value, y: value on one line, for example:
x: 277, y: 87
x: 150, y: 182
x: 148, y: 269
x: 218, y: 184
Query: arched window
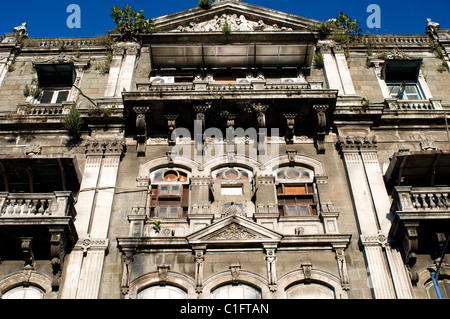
x: 309, y: 291
x: 296, y: 191
x: 166, y: 292
x: 236, y: 292
x: 22, y: 292
x: 169, y: 193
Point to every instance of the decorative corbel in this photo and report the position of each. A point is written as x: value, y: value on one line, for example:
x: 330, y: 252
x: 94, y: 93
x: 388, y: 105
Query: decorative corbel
x: 342, y: 267
x: 235, y: 272
x: 171, y: 125
x: 58, y: 253
x: 271, y: 268
x: 141, y: 128
x: 163, y: 273
x: 27, y: 252
x: 290, y: 119
x: 321, y: 111
x: 307, y: 268
x: 291, y: 153
x: 199, y: 259
x: 200, y: 111
x: 260, y: 114
x: 411, y: 243
x: 127, y: 259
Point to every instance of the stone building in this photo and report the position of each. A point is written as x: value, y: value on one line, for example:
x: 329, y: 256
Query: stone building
x: 260, y: 160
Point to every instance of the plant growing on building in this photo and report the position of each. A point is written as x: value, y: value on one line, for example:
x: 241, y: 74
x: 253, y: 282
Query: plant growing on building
x: 443, y: 66
x: 34, y: 91
x: 73, y: 122
x: 131, y: 23
x: 11, y: 67
x: 318, y: 60
x: 226, y: 29
x: 204, y: 4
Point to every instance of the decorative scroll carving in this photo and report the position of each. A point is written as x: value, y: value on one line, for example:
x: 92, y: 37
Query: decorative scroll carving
x: 235, y: 22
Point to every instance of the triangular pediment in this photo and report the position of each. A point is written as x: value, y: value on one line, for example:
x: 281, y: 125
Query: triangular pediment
x: 234, y: 229
x: 239, y: 16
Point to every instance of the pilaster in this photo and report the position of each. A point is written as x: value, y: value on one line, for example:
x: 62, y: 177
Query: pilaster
x: 387, y: 274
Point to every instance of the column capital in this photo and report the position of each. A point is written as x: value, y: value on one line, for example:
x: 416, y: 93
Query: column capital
x: 105, y: 147
x: 357, y: 143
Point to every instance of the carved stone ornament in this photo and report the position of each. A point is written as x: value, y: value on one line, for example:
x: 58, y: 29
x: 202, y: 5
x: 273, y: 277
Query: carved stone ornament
x: 22, y: 30
x: 233, y: 232
x: 235, y: 22
x: 355, y: 143
x: 34, y: 149
x: 234, y: 210
x: 113, y: 147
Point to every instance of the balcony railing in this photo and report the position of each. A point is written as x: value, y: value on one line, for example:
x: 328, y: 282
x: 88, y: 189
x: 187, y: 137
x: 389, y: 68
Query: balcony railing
x: 421, y: 199
x: 58, y: 204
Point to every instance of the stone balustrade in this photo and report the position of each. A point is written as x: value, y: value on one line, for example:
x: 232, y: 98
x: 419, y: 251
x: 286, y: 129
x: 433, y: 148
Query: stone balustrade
x: 421, y: 199
x: 221, y: 86
x: 413, y: 105
x: 58, y: 204
x: 43, y: 109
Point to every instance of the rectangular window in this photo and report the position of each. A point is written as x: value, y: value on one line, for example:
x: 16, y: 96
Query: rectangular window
x: 231, y: 190
x: 296, y: 199
x: 168, y: 212
x: 404, y: 90
x: 54, y: 96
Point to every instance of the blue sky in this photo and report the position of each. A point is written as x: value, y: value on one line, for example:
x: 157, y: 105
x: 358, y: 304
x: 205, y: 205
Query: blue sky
x: 47, y: 18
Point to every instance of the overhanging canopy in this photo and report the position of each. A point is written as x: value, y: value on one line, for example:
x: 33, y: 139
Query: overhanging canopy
x: 39, y: 174
x: 217, y: 56
x: 419, y: 168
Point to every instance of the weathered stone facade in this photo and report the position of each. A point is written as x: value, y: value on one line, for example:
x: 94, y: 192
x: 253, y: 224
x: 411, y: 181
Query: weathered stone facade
x: 331, y: 183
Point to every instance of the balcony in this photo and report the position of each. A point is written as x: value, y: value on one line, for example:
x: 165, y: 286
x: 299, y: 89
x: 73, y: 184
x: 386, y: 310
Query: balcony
x: 421, y: 220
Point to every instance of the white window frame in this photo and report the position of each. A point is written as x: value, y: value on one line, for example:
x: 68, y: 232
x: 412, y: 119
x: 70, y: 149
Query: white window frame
x: 56, y: 93
x: 406, y: 84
